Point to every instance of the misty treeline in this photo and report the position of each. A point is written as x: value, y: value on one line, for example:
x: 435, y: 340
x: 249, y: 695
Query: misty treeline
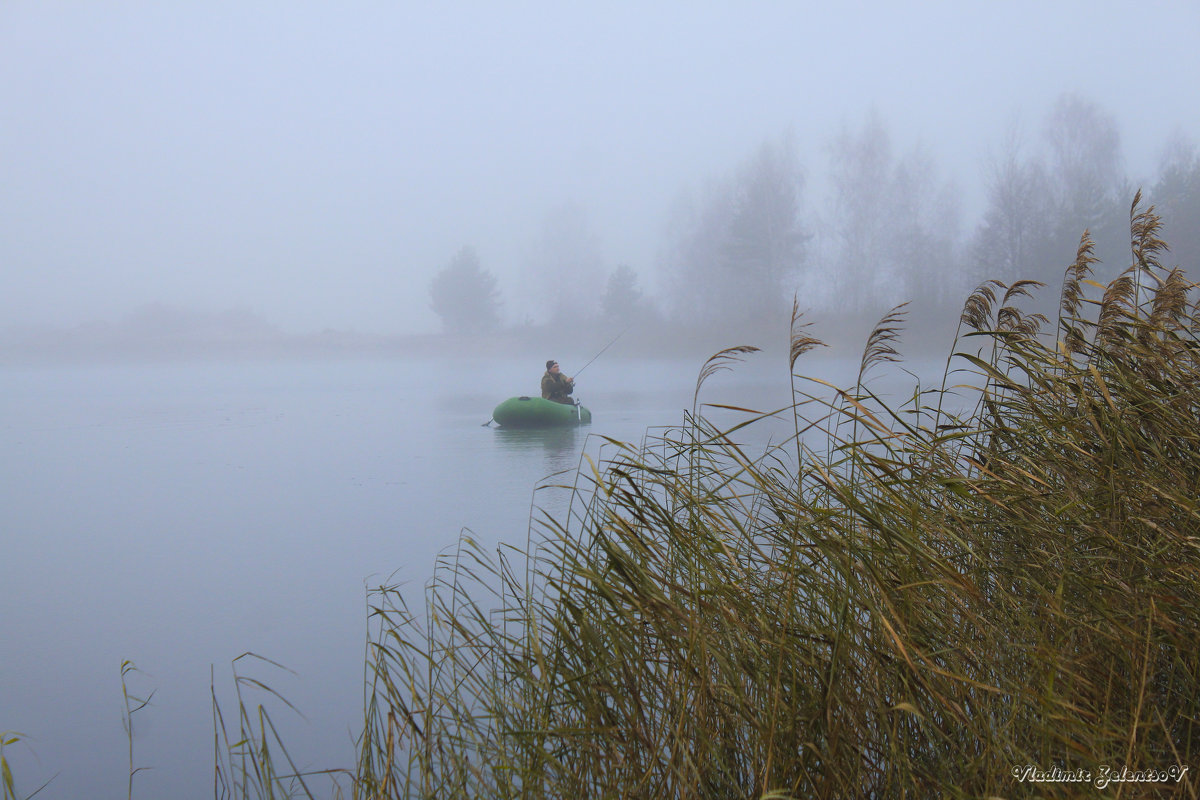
x: 880, y: 227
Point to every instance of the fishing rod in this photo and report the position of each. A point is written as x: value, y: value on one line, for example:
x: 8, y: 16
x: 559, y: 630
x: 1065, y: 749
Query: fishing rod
x: 610, y: 344
x: 593, y: 358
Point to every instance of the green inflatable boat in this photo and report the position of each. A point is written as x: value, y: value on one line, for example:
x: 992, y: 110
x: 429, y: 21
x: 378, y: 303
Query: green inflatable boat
x: 535, y: 412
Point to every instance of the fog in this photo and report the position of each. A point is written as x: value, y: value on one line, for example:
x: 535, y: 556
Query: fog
x: 276, y: 178
x: 314, y: 165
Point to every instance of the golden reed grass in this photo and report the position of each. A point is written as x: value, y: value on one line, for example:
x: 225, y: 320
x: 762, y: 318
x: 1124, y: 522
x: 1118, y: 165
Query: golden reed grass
x: 993, y: 591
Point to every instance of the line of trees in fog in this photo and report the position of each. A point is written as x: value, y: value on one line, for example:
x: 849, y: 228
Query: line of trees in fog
x: 887, y: 230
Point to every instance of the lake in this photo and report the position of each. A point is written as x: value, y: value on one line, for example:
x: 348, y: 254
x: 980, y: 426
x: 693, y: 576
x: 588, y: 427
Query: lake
x: 177, y: 515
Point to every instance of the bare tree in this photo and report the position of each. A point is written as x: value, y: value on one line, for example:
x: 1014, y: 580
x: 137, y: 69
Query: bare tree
x: 1039, y: 207
x: 859, y: 172
x: 925, y: 229
x: 764, y: 245
x: 565, y: 267
x: 737, y: 252
x: 1085, y: 159
x: 1017, y: 223
x: 693, y: 255
x: 894, y: 228
x: 1177, y: 195
x: 1087, y: 179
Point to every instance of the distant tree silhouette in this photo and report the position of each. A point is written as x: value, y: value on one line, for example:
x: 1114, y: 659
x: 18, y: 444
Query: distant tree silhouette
x: 859, y: 171
x: 737, y: 252
x: 1177, y: 195
x: 565, y: 267
x: 623, y: 300
x: 1090, y: 188
x: 894, y: 229
x: 465, y: 295
x: 764, y: 246
x: 1038, y: 205
x: 1017, y: 226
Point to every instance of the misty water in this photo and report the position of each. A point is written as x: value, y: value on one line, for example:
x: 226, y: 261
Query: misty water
x: 179, y: 515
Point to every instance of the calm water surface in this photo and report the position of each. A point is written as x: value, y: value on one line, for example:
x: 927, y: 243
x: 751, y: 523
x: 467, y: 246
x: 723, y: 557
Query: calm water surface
x: 177, y: 516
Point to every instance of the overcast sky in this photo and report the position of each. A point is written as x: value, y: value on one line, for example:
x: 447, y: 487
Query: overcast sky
x: 317, y: 163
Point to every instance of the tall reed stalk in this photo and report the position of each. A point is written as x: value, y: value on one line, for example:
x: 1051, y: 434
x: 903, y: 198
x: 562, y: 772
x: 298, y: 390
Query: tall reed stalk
x: 133, y: 704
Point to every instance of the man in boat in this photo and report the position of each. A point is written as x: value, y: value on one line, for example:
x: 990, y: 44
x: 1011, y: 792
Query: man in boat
x: 556, y: 386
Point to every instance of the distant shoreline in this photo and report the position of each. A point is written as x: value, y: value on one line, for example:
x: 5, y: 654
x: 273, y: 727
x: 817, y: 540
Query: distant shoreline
x: 158, y: 333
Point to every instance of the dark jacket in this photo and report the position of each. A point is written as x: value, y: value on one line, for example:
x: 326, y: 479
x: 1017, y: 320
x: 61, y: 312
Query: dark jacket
x: 557, y: 387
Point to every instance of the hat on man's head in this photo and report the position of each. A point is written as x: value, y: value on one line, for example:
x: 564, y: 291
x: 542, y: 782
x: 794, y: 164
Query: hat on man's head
x: 550, y: 363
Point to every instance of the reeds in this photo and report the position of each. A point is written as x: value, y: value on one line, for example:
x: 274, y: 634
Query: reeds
x: 941, y: 603
x: 926, y: 607
x: 250, y: 759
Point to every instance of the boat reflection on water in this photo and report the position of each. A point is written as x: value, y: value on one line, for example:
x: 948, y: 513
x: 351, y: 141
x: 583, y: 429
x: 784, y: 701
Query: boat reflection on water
x: 563, y: 441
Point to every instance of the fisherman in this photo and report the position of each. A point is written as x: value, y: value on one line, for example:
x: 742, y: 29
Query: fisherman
x: 556, y: 386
